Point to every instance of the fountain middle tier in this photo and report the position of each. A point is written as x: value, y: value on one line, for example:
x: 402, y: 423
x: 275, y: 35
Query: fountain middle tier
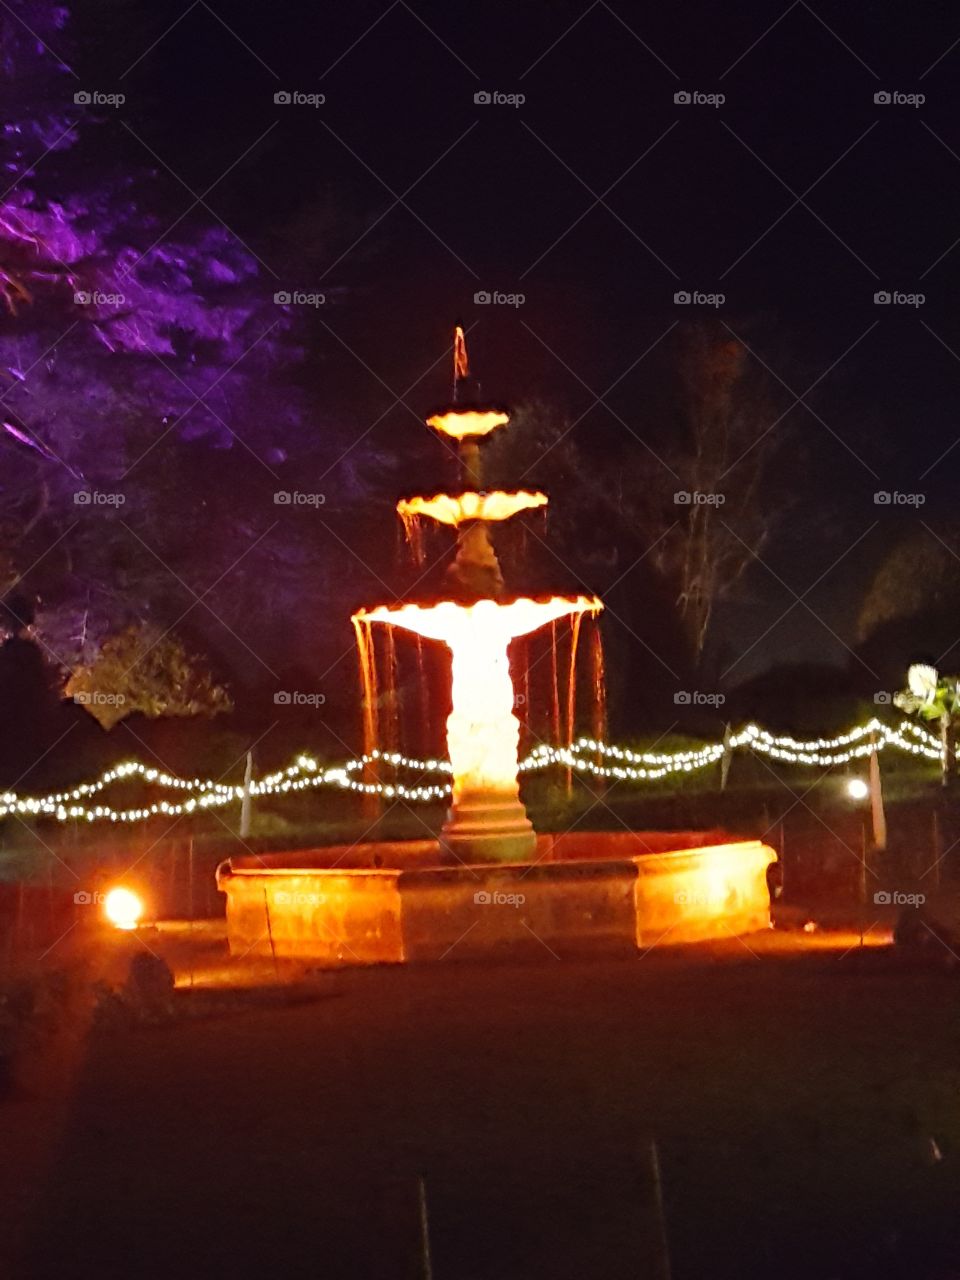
x: 457, y: 508
x: 487, y: 820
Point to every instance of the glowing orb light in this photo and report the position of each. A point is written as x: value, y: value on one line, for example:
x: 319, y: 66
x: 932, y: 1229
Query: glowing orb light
x: 857, y: 789
x: 123, y: 908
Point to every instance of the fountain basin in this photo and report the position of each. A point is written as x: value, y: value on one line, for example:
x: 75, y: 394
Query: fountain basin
x: 583, y: 893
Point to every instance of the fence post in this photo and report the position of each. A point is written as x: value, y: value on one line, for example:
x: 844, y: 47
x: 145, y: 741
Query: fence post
x: 246, y: 802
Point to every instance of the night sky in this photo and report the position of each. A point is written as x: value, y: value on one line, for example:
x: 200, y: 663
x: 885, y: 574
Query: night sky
x: 598, y: 198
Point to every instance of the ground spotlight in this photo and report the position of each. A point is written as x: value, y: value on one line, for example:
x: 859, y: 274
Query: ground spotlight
x: 123, y: 908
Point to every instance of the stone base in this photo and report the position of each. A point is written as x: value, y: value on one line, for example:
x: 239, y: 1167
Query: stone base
x: 590, y: 893
x: 496, y: 832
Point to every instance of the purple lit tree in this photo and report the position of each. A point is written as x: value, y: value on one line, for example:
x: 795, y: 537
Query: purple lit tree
x: 147, y: 402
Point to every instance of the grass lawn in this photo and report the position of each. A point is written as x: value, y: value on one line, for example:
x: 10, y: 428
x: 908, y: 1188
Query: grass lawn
x: 793, y: 1098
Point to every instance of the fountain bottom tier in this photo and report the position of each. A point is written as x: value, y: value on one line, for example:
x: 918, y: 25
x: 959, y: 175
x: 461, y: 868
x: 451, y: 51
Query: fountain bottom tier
x: 602, y: 893
x: 487, y: 821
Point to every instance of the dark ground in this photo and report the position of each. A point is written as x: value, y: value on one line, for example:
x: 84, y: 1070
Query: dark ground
x: 793, y: 1096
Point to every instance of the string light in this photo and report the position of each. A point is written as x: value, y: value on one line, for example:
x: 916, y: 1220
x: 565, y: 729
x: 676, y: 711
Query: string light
x: 585, y: 755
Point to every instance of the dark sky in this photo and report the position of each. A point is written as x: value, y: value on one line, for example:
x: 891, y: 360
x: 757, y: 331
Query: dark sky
x: 798, y: 198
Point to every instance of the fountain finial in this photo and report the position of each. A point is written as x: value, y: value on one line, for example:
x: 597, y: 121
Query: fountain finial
x: 466, y: 390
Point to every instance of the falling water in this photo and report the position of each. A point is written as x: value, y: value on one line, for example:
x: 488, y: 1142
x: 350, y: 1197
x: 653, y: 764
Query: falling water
x: 555, y: 685
x: 598, y: 688
x: 427, y: 746
x: 572, y: 690
x: 413, y: 532
x: 390, y: 732
x: 368, y: 703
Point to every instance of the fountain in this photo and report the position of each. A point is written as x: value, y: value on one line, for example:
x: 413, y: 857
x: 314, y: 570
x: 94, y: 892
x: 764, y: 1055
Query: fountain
x: 395, y: 901
x: 487, y: 820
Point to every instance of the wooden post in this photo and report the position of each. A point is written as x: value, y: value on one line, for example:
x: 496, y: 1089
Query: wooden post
x: 246, y: 802
x: 427, y: 1264
x: 727, y: 757
x: 665, y: 1269
x: 877, y: 815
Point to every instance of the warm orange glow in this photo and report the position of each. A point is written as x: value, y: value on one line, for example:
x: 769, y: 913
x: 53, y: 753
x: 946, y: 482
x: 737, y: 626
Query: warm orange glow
x: 459, y: 424
x: 482, y: 731
x: 449, y: 621
x: 455, y: 509
x: 460, y: 365
x: 123, y: 908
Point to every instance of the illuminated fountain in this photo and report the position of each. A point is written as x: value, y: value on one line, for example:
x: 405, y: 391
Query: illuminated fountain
x: 489, y: 885
x: 487, y: 820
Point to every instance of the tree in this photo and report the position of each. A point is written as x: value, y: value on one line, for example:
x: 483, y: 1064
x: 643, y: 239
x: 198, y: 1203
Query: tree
x: 149, y: 403
x: 934, y: 697
x: 142, y: 670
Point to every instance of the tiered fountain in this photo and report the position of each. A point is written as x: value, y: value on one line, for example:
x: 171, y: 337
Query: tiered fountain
x: 487, y: 820
x: 489, y: 883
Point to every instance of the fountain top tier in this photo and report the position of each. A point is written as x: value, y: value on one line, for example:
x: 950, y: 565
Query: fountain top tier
x: 475, y: 573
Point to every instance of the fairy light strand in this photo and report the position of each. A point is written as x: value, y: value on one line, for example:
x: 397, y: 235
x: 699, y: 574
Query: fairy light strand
x: 585, y: 755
